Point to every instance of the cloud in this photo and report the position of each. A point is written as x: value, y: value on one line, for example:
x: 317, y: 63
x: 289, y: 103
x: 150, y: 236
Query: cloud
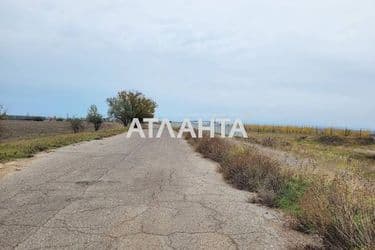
x: 267, y: 60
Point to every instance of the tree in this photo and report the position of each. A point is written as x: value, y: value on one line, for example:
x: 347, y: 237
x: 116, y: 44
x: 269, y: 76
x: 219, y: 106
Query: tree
x: 3, y: 116
x: 3, y: 113
x: 128, y: 105
x: 94, y: 117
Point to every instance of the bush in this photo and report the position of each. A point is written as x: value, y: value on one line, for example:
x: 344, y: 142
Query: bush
x: 76, y: 124
x: 341, y: 210
x: 213, y: 148
x: 331, y: 140
x: 246, y: 168
x: 268, y: 142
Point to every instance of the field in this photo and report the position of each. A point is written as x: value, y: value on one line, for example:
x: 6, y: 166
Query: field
x: 327, y: 153
x: 307, y: 131
x: 18, y: 129
x: 324, y: 181
x: 22, y: 139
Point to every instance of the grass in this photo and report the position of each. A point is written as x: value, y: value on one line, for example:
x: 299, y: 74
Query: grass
x: 308, y: 131
x: 19, y: 129
x: 340, y: 209
x: 333, y: 153
x: 290, y: 195
x: 28, y: 147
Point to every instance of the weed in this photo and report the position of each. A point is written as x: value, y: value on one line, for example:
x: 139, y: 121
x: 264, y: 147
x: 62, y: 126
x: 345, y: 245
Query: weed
x: 290, y: 194
x: 341, y: 210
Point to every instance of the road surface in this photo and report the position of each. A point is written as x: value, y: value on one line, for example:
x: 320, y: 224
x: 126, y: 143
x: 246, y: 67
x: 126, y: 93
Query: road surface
x: 120, y: 193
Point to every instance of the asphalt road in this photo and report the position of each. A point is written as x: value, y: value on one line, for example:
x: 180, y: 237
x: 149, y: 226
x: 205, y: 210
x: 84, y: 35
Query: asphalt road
x: 120, y: 193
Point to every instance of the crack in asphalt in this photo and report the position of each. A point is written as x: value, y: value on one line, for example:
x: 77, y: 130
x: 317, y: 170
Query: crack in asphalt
x: 158, y: 194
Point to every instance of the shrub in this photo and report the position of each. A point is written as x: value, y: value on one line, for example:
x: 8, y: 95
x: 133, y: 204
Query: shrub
x: 213, y: 148
x: 341, y: 210
x: 266, y: 197
x: 268, y: 142
x: 76, y: 124
x: 247, y: 168
x: 331, y: 140
x: 244, y: 167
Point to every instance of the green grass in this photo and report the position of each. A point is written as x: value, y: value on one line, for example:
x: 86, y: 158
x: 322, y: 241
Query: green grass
x: 290, y: 194
x: 28, y: 147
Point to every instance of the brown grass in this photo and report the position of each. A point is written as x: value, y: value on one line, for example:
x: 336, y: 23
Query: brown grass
x: 213, y: 148
x: 308, y: 131
x: 247, y: 169
x: 341, y: 210
x: 14, y: 129
x: 330, y: 153
x: 244, y: 167
x: 24, y: 148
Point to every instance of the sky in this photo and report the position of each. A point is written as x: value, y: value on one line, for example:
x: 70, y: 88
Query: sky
x: 262, y: 61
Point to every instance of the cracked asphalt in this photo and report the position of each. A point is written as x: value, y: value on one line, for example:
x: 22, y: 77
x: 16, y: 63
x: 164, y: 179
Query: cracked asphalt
x: 120, y: 193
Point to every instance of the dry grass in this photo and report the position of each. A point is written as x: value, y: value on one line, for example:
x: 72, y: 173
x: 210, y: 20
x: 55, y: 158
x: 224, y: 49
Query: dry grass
x: 11, y: 150
x: 15, y: 130
x: 245, y: 167
x: 213, y: 148
x: 307, y: 130
x: 330, y: 153
x: 340, y: 209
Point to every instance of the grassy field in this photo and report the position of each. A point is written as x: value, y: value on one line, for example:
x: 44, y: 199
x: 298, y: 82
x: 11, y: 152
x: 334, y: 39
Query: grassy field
x: 332, y: 153
x: 17, y: 129
x: 23, y: 148
x: 307, y: 131
x: 339, y: 207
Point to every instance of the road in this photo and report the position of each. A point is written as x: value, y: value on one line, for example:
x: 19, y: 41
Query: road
x: 120, y: 193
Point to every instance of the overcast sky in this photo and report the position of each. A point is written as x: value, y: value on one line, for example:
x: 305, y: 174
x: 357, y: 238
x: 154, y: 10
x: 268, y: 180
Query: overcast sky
x: 265, y: 61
